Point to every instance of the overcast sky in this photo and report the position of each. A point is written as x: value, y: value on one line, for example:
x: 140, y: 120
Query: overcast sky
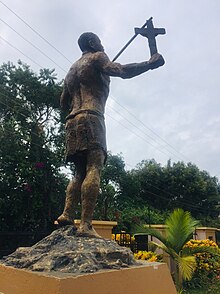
x: 169, y: 113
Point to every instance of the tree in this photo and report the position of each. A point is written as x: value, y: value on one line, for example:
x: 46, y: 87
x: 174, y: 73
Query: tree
x: 138, y: 215
x: 176, y: 185
x: 112, y: 175
x: 149, y: 176
x: 31, y: 184
x: 119, y: 199
x: 192, y: 189
x: 158, y: 188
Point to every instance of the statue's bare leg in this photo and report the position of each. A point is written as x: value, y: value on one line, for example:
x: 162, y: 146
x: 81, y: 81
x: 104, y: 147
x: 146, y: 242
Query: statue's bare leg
x: 89, y: 192
x: 73, y: 194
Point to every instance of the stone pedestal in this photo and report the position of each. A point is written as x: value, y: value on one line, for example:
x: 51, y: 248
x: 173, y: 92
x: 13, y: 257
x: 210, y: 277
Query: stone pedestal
x: 150, y: 278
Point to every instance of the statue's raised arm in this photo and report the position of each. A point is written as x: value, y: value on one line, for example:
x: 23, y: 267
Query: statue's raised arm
x: 130, y: 70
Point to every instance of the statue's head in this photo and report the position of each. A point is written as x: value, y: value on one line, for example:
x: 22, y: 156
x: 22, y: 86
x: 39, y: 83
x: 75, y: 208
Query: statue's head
x: 90, y: 42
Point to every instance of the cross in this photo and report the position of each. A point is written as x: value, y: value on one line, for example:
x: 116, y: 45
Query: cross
x: 150, y: 33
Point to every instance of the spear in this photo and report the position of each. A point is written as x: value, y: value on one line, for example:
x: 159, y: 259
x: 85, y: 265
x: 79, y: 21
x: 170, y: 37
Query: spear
x: 128, y: 43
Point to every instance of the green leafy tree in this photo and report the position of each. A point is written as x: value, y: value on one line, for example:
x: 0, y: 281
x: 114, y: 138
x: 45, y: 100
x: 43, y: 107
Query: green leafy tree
x: 192, y: 189
x: 175, y: 185
x: 109, y: 199
x: 158, y: 187
x: 139, y: 215
x: 119, y: 199
x: 149, y: 179
x: 31, y: 184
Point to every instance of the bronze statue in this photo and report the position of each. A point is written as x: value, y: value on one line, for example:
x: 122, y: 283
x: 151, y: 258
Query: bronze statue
x: 86, y: 89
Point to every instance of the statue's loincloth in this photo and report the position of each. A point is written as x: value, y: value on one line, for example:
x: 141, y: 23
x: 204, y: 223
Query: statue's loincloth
x: 84, y: 131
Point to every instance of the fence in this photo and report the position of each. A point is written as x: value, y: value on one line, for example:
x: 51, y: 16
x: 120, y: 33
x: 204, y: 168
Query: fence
x: 135, y: 243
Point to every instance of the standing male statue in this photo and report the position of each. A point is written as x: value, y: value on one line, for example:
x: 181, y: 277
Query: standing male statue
x: 86, y: 89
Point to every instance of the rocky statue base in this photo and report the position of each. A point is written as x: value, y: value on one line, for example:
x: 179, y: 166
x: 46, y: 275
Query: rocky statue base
x: 64, y: 252
x: 63, y: 263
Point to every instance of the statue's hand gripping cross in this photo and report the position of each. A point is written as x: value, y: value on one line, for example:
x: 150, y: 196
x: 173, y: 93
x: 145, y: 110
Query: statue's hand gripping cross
x: 150, y: 33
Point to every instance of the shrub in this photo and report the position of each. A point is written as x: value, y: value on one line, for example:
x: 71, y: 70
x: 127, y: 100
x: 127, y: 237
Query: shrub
x: 207, y: 264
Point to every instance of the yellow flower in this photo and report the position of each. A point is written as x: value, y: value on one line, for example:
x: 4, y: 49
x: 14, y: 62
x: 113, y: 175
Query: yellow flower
x: 146, y: 255
x: 152, y: 259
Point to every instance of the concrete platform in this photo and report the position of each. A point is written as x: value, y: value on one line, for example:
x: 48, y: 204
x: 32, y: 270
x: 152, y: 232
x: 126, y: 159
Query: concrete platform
x: 149, y: 278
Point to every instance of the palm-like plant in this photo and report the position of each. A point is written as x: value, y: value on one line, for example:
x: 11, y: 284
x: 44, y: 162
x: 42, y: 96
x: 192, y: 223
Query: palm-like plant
x: 179, y: 229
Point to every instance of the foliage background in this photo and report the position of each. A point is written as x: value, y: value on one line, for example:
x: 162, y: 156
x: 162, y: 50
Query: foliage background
x: 31, y: 183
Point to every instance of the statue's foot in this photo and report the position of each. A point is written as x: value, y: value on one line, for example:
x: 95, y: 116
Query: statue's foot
x: 86, y: 230
x: 64, y: 220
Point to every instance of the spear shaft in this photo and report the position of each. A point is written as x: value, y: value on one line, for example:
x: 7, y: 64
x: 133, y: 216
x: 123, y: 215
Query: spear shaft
x: 128, y: 43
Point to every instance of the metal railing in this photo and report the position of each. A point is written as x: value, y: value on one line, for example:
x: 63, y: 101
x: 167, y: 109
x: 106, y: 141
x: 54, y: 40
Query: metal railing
x: 135, y: 243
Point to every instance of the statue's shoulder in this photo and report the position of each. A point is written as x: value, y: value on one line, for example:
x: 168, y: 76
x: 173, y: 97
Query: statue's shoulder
x: 100, y: 58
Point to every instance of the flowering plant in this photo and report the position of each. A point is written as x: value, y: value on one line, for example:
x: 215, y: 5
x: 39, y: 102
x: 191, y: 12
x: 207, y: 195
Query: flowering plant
x: 207, y: 263
x: 148, y: 255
